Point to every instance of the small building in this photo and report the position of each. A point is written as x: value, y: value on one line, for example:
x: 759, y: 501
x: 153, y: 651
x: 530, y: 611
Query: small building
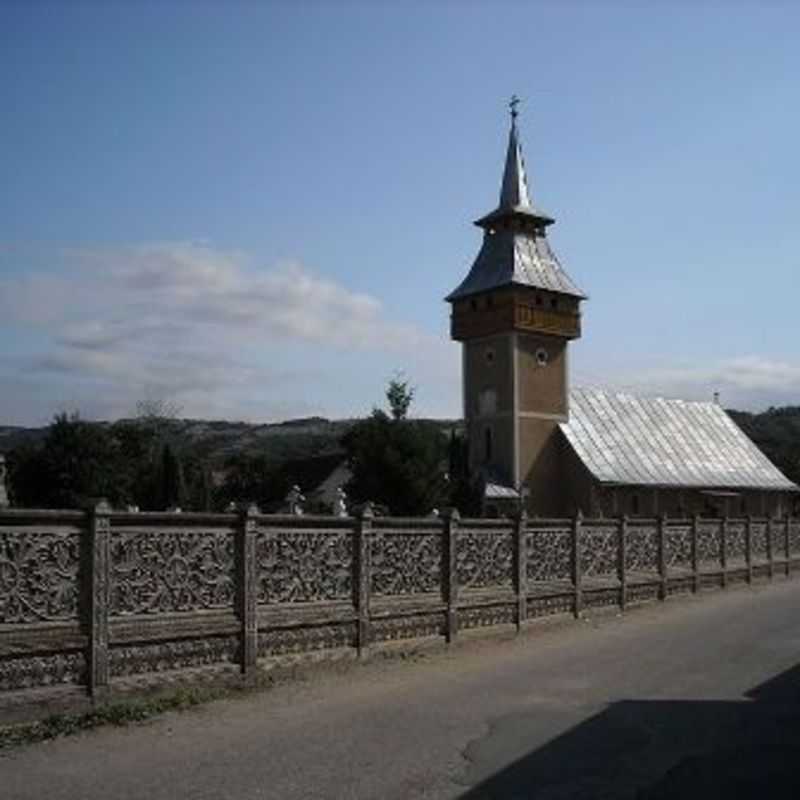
x: 533, y: 442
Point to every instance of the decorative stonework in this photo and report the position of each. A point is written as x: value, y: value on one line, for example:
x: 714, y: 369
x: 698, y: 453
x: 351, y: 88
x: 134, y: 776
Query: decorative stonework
x: 405, y: 563
x: 42, y: 670
x: 678, y: 546
x: 487, y: 616
x: 553, y: 604
x: 641, y: 548
x: 794, y: 538
x: 303, y: 566
x: 735, y: 542
x: 163, y: 656
x: 304, y: 639
x: 549, y: 555
x: 599, y: 551
x: 708, y: 542
x: 167, y: 571
x: 38, y: 575
x: 758, y: 541
x: 642, y: 593
x: 407, y: 627
x: 598, y: 598
x: 484, y: 559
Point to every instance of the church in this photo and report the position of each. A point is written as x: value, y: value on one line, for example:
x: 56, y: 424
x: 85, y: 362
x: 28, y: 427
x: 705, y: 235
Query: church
x: 536, y: 443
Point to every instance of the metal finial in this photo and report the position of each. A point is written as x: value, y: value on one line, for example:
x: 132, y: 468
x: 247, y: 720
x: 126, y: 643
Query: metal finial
x: 515, y: 101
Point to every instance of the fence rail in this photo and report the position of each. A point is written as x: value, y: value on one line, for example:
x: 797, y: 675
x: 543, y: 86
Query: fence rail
x: 88, y: 598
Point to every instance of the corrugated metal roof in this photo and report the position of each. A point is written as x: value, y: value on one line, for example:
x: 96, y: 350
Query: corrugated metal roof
x: 512, y: 258
x: 626, y: 439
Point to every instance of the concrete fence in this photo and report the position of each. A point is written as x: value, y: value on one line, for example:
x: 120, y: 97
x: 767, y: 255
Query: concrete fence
x: 91, y: 598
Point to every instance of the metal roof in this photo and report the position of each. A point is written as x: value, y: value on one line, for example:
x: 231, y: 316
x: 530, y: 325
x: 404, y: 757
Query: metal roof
x: 510, y: 258
x: 626, y: 439
x: 516, y: 254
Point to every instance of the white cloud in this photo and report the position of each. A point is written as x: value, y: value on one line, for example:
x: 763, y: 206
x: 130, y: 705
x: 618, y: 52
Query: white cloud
x: 745, y: 382
x: 204, y: 327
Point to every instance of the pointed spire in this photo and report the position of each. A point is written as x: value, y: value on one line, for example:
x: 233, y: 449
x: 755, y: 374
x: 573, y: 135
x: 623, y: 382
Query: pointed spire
x: 515, y: 200
x: 514, y: 191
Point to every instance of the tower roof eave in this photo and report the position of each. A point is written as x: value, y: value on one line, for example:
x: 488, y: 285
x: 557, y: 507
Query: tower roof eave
x: 516, y: 259
x: 510, y: 212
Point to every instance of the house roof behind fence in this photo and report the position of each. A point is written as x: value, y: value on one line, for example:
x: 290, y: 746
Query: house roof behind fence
x: 627, y: 439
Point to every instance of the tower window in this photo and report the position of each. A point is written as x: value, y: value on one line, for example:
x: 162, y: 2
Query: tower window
x: 538, y: 299
x: 489, y: 301
x: 554, y: 302
x: 473, y: 304
x: 635, y: 504
x: 489, y: 355
x: 488, y: 444
x: 541, y: 357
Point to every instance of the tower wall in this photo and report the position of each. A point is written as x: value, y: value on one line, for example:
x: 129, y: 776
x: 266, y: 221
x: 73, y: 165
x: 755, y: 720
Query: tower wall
x: 489, y: 403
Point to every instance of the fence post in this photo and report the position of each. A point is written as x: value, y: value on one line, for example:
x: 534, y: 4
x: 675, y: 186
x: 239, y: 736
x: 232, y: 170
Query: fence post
x: 99, y: 527
x: 662, y: 559
x: 247, y: 589
x: 576, y: 563
x: 723, y: 550
x: 770, y: 555
x: 362, y: 574
x: 621, y: 558
x: 521, y: 567
x: 693, y: 546
x: 787, y: 542
x: 748, y: 547
x: 450, y: 582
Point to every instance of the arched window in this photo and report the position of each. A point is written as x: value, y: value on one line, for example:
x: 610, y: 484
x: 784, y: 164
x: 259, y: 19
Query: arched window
x: 488, y: 444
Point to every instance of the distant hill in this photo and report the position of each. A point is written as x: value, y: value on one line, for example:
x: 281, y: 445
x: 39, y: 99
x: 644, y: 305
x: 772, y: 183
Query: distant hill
x: 216, y: 440
x: 776, y: 431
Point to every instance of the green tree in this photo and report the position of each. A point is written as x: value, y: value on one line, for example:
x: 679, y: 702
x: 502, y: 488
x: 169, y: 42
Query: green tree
x: 77, y: 462
x: 397, y: 462
x: 400, y: 396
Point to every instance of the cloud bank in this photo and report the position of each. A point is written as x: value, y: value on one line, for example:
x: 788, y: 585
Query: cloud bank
x: 205, y: 328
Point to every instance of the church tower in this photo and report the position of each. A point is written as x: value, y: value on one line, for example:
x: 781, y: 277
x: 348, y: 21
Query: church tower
x: 515, y: 314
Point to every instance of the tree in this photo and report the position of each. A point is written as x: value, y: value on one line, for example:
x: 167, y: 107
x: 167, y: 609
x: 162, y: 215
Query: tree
x: 397, y: 462
x: 77, y: 462
x: 400, y: 395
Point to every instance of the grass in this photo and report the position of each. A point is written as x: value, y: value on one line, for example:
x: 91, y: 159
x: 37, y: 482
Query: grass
x: 124, y: 712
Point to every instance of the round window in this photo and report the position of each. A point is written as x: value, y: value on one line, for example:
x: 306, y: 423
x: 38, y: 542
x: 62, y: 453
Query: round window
x: 541, y: 357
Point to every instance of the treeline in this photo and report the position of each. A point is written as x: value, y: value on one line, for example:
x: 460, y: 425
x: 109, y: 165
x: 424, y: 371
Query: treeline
x: 777, y: 432
x: 404, y: 466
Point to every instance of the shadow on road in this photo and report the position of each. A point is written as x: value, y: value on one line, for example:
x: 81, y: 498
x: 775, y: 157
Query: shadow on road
x: 654, y: 750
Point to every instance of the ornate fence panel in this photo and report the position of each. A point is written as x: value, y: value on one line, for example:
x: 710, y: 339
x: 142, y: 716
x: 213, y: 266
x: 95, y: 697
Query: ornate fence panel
x: 735, y: 543
x: 484, y: 556
x: 709, y: 546
x: 641, y: 548
x: 303, y: 561
x: 758, y: 541
x: 599, y: 550
x: 175, y: 569
x: 406, y: 557
x: 678, y: 546
x: 39, y: 573
x: 42, y: 562
x: 549, y: 552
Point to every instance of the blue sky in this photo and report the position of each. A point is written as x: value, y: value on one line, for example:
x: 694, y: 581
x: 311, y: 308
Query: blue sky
x: 255, y: 210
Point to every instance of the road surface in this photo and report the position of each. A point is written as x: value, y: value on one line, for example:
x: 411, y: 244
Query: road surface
x: 698, y: 697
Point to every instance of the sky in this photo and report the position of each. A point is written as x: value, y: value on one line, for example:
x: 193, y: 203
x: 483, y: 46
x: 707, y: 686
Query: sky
x: 255, y: 210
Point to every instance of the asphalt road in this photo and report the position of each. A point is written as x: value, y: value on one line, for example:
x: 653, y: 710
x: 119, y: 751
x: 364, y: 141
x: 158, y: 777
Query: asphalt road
x: 698, y: 697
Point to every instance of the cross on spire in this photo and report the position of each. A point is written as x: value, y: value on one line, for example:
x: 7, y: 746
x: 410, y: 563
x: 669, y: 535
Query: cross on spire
x: 513, y: 103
